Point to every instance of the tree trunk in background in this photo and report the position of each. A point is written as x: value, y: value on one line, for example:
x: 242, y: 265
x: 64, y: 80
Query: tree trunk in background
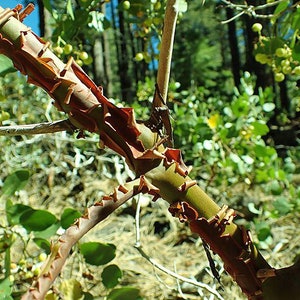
x: 98, y: 62
x: 264, y: 77
x: 134, y: 51
x: 101, y: 64
x: 44, y: 18
x: 123, y: 60
x: 107, y: 65
x: 234, y: 49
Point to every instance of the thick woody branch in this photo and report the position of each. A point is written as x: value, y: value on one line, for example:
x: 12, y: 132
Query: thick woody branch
x: 60, y: 250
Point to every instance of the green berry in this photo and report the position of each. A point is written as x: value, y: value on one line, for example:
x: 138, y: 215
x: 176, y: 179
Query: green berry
x: 281, y: 52
x: 285, y: 63
x: 286, y: 69
x: 257, y: 27
x: 83, y: 55
x: 139, y: 56
x: 79, y: 62
x: 42, y: 257
x: 126, y: 5
x: 68, y: 48
x: 36, y: 271
x: 59, y: 50
x: 297, y: 70
x: 88, y: 61
x: 261, y: 58
x: 279, y: 77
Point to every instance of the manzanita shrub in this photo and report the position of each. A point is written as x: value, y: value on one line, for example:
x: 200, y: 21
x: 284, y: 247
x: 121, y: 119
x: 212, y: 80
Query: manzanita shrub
x: 147, y: 147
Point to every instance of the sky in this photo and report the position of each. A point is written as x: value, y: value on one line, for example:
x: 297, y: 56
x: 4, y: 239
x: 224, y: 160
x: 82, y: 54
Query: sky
x: 31, y: 21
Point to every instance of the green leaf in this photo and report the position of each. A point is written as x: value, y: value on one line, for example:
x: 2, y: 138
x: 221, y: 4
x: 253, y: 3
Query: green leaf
x: 15, y: 182
x: 6, y: 65
x: 263, y: 231
x: 111, y: 275
x: 70, y: 9
x: 124, y: 293
x: 88, y: 296
x: 261, y: 176
x: 275, y: 187
x: 14, y: 212
x: 268, y: 107
x: 43, y: 244
x: 282, y: 205
x: 296, y: 52
x: 281, y: 7
x: 47, y: 5
x: 262, y: 151
x: 37, y: 220
x: 71, y: 289
x: 48, y: 232
x: 68, y: 217
x: 5, y: 289
x: 180, y: 6
x: 97, y: 254
x: 259, y: 128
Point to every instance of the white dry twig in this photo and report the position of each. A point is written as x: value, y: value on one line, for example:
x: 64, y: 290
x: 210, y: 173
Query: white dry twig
x: 249, y: 10
x: 40, y: 128
x: 160, y: 267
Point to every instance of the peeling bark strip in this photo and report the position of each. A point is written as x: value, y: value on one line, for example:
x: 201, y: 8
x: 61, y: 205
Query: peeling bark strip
x: 160, y: 171
x: 74, y: 92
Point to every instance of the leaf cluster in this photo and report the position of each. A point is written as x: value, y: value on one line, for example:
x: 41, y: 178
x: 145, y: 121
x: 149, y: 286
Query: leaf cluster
x: 23, y: 225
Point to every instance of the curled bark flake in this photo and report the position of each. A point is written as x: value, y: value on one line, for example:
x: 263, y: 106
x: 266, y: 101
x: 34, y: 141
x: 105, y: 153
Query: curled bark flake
x: 238, y: 258
x: 27, y: 11
x: 263, y: 274
x: 186, y: 185
x: 146, y: 187
x: 183, y: 211
x: 174, y: 156
x: 224, y: 217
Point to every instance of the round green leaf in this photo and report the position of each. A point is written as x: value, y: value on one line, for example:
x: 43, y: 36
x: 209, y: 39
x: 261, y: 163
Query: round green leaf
x: 5, y: 289
x: 68, y: 217
x: 43, y: 244
x: 124, y: 293
x: 6, y: 65
x: 282, y: 205
x: 48, y: 232
x: 15, y: 182
x: 263, y: 231
x: 37, y: 220
x: 15, y: 211
x: 98, y: 254
x: 259, y: 128
x: 111, y: 275
x: 269, y: 106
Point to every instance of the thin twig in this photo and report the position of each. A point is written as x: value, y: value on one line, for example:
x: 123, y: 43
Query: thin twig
x: 40, y: 128
x: 177, y: 276
x: 161, y: 267
x: 249, y: 10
